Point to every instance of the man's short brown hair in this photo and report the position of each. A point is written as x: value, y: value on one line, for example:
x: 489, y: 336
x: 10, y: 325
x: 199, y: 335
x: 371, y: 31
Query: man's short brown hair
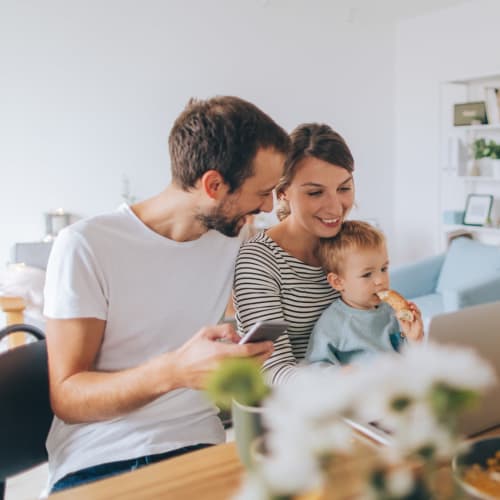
x: 354, y: 235
x: 223, y: 134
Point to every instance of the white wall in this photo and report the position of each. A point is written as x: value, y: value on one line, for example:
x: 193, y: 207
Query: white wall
x: 459, y: 42
x: 89, y: 90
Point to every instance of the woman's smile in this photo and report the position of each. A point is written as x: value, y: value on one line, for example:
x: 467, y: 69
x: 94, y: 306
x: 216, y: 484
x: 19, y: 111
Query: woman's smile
x: 330, y: 222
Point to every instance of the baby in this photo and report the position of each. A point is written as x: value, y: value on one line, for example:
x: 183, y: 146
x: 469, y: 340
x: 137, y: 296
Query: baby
x: 359, y: 322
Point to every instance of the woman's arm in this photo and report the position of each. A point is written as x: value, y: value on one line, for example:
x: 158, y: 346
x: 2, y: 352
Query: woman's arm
x: 257, y: 296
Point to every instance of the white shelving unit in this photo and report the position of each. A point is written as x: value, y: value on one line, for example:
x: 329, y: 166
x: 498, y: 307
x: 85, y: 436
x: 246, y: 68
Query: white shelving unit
x: 477, y: 229
x: 456, y: 183
x: 479, y: 178
x: 479, y: 128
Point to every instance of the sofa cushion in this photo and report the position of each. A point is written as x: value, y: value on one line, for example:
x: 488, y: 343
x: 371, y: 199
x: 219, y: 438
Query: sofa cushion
x: 418, y: 278
x: 465, y: 261
x: 429, y: 305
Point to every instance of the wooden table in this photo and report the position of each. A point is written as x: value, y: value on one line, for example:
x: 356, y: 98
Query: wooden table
x: 213, y: 473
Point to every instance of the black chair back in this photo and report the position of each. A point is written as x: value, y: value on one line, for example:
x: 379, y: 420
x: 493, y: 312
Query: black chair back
x: 25, y: 412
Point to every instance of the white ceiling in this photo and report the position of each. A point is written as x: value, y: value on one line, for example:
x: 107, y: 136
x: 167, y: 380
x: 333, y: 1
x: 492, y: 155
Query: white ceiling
x: 374, y: 10
x: 401, y: 9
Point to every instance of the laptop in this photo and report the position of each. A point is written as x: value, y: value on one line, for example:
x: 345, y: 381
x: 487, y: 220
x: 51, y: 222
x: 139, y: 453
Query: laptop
x: 477, y: 327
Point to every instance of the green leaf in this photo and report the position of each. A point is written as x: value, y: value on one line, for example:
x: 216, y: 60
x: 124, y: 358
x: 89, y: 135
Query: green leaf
x: 378, y: 479
x: 400, y: 403
x: 447, y: 401
x: 427, y: 451
x: 237, y: 378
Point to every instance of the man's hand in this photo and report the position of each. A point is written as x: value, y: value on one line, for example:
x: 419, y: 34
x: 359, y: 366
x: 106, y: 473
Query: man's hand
x: 80, y: 393
x: 201, y: 354
x: 413, y: 330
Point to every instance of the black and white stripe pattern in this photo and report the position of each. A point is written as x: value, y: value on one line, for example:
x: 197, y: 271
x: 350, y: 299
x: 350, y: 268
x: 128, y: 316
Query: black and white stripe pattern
x: 271, y: 284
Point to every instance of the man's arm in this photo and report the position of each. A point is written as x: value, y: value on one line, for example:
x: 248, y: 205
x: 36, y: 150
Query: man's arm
x: 79, y: 393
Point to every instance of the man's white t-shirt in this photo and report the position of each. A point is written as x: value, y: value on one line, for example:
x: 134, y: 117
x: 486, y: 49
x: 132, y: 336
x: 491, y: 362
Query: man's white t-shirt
x: 154, y: 294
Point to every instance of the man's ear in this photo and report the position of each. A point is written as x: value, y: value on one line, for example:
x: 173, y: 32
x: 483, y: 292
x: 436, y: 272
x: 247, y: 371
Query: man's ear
x: 335, y: 281
x: 213, y: 184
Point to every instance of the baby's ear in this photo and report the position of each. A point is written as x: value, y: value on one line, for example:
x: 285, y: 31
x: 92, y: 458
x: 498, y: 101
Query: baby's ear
x: 335, y: 281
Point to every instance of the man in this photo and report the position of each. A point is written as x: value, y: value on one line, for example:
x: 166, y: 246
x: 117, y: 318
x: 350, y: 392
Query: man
x: 126, y: 292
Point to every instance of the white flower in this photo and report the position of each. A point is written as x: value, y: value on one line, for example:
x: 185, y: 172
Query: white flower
x: 454, y: 365
x: 399, y: 481
x: 309, y: 439
x: 304, y: 417
x: 334, y: 436
x: 311, y: 422
x: 412, y: 374
x: 288, y: 475
x: 314, y: 394
x: 253, y: 488
x: 419, y: 430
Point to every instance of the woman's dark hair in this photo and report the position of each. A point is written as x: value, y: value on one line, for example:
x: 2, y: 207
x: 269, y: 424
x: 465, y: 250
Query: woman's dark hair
x: 223, y: 134
x: 312, y: 140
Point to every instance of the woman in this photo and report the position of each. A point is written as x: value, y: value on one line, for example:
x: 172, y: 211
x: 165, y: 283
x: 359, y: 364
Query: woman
x: 277, y: 275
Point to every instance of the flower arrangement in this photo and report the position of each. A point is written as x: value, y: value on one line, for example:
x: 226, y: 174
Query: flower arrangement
x: 418, y: 394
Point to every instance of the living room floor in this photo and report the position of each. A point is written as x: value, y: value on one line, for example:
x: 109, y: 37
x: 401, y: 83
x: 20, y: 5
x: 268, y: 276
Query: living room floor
x: 27, y: 486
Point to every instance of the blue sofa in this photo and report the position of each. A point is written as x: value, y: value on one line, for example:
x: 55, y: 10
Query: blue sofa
x: 466, y: 275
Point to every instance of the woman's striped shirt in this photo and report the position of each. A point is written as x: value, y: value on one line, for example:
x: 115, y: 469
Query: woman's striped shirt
x: 271, y: 284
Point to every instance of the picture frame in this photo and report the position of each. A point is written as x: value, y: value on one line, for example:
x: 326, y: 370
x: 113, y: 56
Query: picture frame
x: 54, y: 222
x: 470, y: 113
x: 477, y: 209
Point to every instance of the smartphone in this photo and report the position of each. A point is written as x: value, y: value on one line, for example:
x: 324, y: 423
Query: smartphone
x: 264, y: 330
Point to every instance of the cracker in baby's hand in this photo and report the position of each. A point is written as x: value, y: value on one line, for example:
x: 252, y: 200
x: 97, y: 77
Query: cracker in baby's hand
x: 398, y: 303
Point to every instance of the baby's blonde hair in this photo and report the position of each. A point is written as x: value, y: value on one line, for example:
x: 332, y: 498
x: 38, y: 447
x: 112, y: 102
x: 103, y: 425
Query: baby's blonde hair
x: 354, y: 235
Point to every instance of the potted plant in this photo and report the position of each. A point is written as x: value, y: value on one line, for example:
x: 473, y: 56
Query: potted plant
x: 495, y: 160
x: 487, y: 152
x: 239, y: 386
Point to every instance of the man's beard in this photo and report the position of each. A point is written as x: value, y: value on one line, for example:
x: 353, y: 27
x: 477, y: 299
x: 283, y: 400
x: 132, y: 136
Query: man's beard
x: 219, y: 221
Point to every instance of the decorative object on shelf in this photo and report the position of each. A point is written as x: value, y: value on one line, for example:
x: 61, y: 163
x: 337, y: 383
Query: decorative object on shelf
x: 308, y: 443
x: 481, y: 148
x: 470, y: 113
x: 495, y: 167
x: 486, y: 152
x: 54, y: 222
x: 483, y: 152
x: 492, y: 104
x: 473, y: 168
x: 478, y: 209
x: 453, y: 216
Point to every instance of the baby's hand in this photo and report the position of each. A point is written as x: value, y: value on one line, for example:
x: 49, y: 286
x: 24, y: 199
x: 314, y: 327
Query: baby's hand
x: 413, y: 330
x: 347, y: 368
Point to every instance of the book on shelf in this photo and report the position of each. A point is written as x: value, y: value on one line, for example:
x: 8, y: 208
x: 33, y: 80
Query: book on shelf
x: 492, y: 96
